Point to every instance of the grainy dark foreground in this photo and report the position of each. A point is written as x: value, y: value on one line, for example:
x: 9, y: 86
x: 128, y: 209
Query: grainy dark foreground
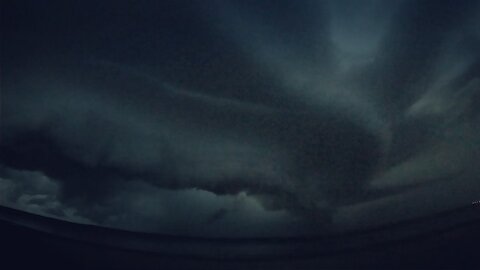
x: 31, y: 240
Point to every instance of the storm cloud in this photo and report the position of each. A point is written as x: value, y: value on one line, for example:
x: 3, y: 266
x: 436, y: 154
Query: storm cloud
x: 240, y: 118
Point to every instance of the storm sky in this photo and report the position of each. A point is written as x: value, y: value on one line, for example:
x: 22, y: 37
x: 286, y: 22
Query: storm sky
x: 239, y: 118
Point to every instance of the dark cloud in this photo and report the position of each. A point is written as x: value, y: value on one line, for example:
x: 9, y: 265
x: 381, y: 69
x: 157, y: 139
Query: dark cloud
x: 179, y: 139
x: 414, y: 43
x: 240, y: 118
x: 34, y: 192
x: 139, y: 206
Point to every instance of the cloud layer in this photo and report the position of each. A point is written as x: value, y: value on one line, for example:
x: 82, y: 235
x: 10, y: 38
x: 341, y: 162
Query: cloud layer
x: 241, y: 118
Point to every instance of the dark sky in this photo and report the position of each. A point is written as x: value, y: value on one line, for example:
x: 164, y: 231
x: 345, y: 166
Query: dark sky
x: 239, y: 118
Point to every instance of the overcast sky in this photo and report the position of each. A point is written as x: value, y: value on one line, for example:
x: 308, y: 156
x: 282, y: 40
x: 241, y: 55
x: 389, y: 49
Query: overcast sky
x: 239, y: 118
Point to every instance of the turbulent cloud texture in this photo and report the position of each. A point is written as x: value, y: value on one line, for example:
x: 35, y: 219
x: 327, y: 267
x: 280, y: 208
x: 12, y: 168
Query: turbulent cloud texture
x: 240, y: 118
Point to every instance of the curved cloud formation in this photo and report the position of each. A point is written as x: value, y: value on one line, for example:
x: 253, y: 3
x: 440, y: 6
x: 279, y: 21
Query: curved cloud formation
x: 241, y: 117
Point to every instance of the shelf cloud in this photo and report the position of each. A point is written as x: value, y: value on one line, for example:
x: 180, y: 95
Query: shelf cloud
x: 240, y: 118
